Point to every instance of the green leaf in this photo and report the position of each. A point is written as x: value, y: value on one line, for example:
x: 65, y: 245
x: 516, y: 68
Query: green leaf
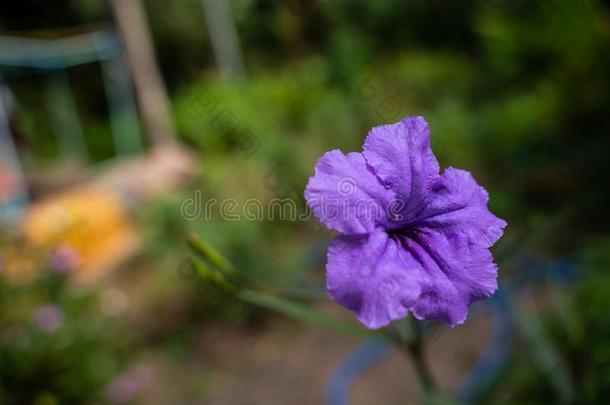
x: 546, y: 356
x: 304, y: 313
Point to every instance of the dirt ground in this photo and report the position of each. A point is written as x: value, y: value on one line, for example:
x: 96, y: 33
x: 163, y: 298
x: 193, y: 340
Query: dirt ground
x: 291, y: 363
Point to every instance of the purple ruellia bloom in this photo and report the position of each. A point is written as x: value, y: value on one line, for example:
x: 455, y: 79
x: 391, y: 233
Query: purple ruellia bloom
x: 412, y: 239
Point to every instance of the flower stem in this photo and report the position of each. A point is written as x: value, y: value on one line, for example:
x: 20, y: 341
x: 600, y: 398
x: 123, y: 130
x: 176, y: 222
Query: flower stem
x: 415, y: 348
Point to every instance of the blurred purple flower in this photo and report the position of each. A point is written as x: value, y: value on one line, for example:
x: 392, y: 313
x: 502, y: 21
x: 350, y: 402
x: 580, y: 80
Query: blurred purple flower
x: 127, y: 385
x: 142, y: 374
x: 48, y: 318
x: 412, y: 239
x: 121, y: 389
x: 63, y: 259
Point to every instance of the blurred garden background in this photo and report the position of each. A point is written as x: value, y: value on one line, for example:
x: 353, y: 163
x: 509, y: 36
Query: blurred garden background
x: 119, y: 120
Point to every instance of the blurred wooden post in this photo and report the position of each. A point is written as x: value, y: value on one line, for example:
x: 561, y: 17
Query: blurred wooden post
x: 223, y: 35
x: 150, y: 91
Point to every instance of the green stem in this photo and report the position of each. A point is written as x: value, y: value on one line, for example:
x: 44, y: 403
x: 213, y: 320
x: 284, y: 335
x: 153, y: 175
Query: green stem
x: 415, y: 348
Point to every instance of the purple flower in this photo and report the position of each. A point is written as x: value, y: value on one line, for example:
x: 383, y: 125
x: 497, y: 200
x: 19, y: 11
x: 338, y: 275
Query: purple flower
x: 412, y: 239
x: 125, y: 387
x: 63, y: 259
x: 121, y: 390
x: 48, y: 318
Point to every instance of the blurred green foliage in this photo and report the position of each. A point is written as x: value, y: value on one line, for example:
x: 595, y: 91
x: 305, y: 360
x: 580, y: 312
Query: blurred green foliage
x: 56, y: 344
x: 574, y: 321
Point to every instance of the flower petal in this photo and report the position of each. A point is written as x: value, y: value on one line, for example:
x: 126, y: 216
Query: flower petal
x: 459, y: 272
x: 345, y: 195
x: 459, y: 206
x: 401, y: 157
x: 372, y: 276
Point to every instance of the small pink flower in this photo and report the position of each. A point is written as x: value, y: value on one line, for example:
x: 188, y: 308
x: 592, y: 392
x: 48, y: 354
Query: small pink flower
x: 63, y: 259
x: 48, y: 318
